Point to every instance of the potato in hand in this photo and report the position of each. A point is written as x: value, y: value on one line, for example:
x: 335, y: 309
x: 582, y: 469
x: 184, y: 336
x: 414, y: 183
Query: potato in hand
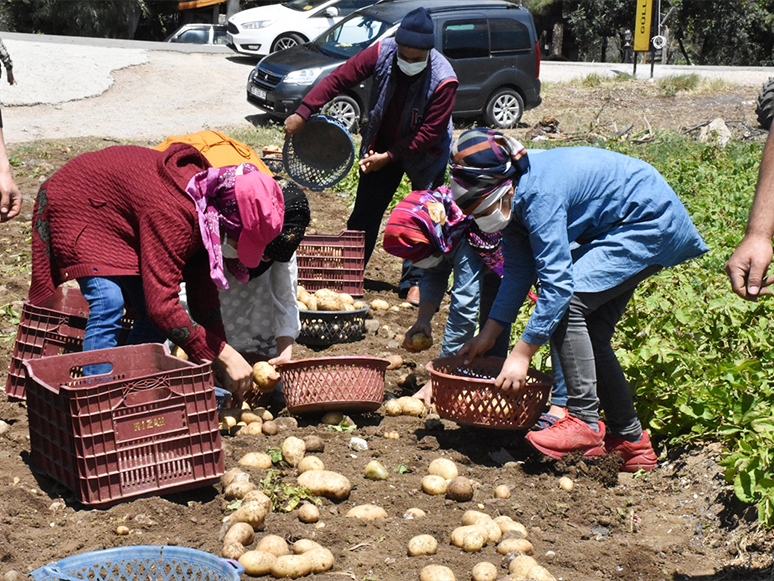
x: 265, y: 377
x: 420, y: 342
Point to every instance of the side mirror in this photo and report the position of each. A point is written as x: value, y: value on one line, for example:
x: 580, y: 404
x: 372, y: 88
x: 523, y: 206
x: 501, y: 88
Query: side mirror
x: 330, y: 12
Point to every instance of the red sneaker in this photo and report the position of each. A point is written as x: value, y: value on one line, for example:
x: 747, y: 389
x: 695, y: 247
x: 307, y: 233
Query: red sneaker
x: 635, y: 455
x: 566, y: 435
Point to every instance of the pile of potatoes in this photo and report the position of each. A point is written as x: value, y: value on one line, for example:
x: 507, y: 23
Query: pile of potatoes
x: 326, y: 299
x: 273, y: 556
x: 404, y: 406
x: 245, y: 420
x: 443, y: 478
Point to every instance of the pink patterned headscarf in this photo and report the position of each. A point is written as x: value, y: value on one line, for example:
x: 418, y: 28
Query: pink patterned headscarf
x: 213, y: 193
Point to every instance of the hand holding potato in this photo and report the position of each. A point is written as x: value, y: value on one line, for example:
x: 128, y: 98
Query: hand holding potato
x: 234, y: 372
x: 265, y: 377
x: 421, y: 327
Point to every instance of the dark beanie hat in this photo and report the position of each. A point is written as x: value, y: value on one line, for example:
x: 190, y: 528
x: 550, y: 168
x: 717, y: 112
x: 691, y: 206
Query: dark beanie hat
x: 416, y: 30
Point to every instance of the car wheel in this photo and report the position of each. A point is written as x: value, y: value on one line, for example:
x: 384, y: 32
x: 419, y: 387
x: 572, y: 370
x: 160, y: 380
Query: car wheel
x: 504, y: 109
x: 287, y: 40
x: 345, y: 109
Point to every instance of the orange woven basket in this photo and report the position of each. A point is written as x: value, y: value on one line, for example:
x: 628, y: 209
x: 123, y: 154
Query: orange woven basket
x: 466, y: 394
x: 353, y: 384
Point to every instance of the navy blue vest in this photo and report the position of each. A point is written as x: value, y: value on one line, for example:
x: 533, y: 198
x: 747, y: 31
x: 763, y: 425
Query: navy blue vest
x: 424, y: 166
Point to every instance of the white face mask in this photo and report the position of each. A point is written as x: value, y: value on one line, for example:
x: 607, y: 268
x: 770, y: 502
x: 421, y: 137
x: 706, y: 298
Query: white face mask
x: 495, y: 221
x: 429, y: 262
x: 411, y: 69
x: 227, y: 250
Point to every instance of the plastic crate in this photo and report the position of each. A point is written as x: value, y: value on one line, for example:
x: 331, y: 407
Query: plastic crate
x: 141, y: 563
x: 354, y: 384
x: 54, y: 328
x: 324, y: 328
x: 150, y: 425
x: 334, y: 262
x: 467, y: 395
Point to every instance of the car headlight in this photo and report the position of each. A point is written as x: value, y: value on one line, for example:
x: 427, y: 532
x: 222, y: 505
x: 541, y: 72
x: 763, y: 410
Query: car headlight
x: 257, y: 24
x: 303, y: 77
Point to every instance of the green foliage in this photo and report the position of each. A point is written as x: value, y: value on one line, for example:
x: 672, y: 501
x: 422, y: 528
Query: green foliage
x: 275, y: 455
x: 670, y: 85
x: 343, y: 426
x: 284, y: 497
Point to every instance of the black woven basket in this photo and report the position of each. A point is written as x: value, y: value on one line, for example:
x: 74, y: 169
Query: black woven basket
x: 323, y: 328
x: 321, y: 155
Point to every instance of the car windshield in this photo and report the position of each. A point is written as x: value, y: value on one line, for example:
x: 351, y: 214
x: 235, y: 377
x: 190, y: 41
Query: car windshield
x: 351, y: 35
x: 303, y: 5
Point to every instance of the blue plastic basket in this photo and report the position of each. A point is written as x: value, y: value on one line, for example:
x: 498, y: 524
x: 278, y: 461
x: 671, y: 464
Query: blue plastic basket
x: 141, y: 563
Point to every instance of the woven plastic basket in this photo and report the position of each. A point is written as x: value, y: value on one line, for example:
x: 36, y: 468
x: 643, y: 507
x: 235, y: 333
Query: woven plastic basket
x: 323, y: 328
x: 466, y: 394
x: 141, y: 563
x: 321, y: 155
x: 353, y: 384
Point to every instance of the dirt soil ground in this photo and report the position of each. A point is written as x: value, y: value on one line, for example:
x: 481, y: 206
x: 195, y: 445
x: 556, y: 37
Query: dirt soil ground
x: 679, y: 522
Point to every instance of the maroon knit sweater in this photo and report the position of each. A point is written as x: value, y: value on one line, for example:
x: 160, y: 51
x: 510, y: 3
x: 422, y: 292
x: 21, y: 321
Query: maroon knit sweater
x: 124, y: 211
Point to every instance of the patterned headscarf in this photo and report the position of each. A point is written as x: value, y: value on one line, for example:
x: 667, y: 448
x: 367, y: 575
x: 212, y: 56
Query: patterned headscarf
x: 214, y: 195
x: 423, y: 223
x: 484, y: 164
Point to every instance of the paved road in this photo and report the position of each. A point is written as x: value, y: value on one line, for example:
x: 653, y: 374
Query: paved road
x: 74, y: 86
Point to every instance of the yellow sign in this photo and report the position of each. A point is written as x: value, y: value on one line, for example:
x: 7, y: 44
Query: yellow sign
x: 642, y: 26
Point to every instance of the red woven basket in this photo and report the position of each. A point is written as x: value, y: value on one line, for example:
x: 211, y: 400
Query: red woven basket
x: 353, y: 384
x: 466, y: 394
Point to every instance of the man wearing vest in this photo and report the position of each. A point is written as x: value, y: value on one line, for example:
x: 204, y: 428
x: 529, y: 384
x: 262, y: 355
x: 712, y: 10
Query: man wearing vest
x: 409, y: 126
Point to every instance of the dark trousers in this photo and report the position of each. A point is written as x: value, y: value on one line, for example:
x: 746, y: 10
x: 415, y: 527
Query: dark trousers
x: 375, y: 191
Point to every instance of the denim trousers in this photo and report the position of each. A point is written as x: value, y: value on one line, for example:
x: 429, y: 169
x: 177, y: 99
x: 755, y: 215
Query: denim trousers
x: 375, y: 191
x: 591, y: 370
x: 106, y: 296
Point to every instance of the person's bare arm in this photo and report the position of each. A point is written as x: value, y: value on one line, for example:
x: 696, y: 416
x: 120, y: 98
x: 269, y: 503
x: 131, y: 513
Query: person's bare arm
x: 10, y: 196
x: 748, y: 265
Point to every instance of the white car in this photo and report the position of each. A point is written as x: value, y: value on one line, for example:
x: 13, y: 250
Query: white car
x: 266, y: 29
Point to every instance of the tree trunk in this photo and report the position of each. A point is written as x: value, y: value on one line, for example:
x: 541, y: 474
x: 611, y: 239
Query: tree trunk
x: 604, y: 49
x: 556, y: 39
x: 682, y: 50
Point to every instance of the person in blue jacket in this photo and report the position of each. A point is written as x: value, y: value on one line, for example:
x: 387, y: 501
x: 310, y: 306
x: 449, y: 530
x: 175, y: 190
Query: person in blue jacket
x: 588, y: 225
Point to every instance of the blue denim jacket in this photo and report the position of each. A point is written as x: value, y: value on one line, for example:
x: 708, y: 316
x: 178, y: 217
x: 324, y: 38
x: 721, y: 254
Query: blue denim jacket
x: 585, y: 220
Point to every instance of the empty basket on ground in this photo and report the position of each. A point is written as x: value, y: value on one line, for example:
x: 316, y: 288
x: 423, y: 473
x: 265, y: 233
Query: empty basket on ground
x: 54, y: 328
x: 323, y: 328
x: 150, y: 425
x: 467, y: 395
x: 354, y: 384
x: 334, y: 262
x: 141, y: 563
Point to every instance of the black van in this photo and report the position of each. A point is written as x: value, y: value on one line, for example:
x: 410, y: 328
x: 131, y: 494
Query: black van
x: 491, y: 44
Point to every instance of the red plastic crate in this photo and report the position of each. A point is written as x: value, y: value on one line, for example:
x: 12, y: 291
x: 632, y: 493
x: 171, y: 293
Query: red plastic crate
x: 149, y: 426
x: 334, y: 262
x: 54, y: 328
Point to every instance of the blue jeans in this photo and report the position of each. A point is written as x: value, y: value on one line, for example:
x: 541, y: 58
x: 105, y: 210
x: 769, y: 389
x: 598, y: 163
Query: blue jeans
x: 107, y: 296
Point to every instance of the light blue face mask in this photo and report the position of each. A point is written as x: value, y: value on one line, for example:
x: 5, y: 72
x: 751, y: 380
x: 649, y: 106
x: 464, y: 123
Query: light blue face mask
x: 495, y: 221
x: 227, y: 250
x: 411, y: 69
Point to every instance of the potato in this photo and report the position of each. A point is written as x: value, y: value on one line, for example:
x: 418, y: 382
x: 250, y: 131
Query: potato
x: 470, y: 517
x: 566, y: 483
x: 292, y: 566
x: 269, y: 428
x: 510, y: 545
x: 302, y: 546
x: 437, y: 573
x: 178, y: 352
x: 484, y: 571
x: 414, y: 513
x: 502, y: 491
x: 474, y: 541
x: 326, y: 483
x: 380, y: 305
x: 233, y: 550
x: 259, y: 497
x: 539, y: 573
x: 264, y: 376
x: 230, y: 417
x: 392, y: 435
x: 253, y: 513
x: 255, y: 428
x: 458, y: 535
x: 239, y: 532
x: 367, y: 512
x: 320, y: 560
x: 422, y: 545
x: 325, y: 292
x: 308, y: 513
x: 273, y: 544
x: 238, y: 489
x: 396, y: 361
x: 411, y: 406
x: 256, y: 460
x: 520, y: 566
x: 311, y: 303
x: 332, y: 418
x: 257, y: 563
x: 375, y: 471
x: 301, y: 306
x: 511, y: 528
x: 250, y: 417
x: 359, y: 305
x: 329, y: 303
x: 433, y: 485
x: 420, y: 342
x: 314, y: 443
x: 302, y: 295
x: 444, y: 468
x: 392, y: 407
x: 460, y: 489
x: 231, y: 475
x: 293, y: 450
x: 310, y: 463
x: 493, y: 531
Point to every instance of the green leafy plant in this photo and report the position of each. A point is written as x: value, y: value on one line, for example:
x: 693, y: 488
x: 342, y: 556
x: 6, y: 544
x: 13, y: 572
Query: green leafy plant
x: 275, y: 455
x: 284, y: 497
x: 343, y: 426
